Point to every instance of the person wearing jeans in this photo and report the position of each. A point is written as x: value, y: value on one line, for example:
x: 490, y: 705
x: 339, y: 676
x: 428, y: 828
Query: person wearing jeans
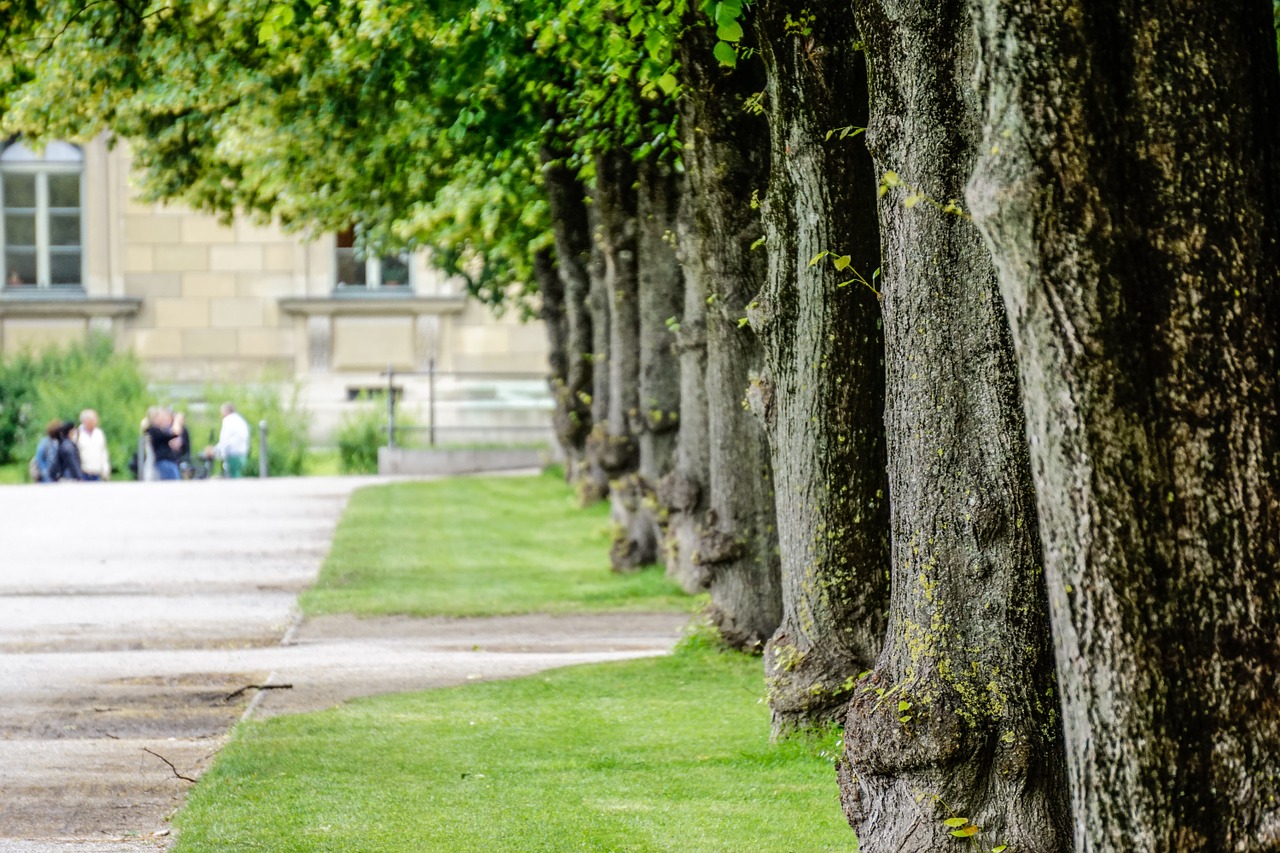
x: 164, y: 432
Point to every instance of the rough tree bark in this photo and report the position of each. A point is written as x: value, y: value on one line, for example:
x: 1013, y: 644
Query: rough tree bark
x: 572, y: 384
x: 595, y: 483
x: 1130, y: 189
x: 616, y: 439
x: 959, y: 716
x: 822, y: 396
x: 683, y: 492
x: 556, y: 323
x: 660, y: 296
x: 726, y: 154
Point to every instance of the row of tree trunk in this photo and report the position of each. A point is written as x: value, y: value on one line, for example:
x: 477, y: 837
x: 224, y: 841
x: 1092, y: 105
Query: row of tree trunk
x: 949, y: 368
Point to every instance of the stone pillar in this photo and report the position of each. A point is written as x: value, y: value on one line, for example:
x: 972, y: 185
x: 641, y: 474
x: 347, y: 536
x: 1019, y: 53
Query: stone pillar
x: 319, y: 342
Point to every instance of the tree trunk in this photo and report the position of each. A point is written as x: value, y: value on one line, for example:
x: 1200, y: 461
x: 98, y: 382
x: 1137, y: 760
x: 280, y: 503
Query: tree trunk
x: 682, y: 493
x: 618, y: 237
x: 572, y: 385
x: 556, y: 323
x: 958, y: 718
x: 727, y: 156
x: 661, y: 292
x: 661, y: 300
x: 822, y: 397
x: 594, y: 485
x: 1133, y: 211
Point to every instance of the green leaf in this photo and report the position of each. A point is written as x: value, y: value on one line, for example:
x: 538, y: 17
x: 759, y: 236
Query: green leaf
x: 668, y: 83
x: 911, y: 201
x: 967, y: 832
x: 818, y: 257
x: 842, y: 263
x: 1000, y: 848
x: 725, y: 53
x: 731, y: 31
x: 955, y: 822
x: 728, y: 11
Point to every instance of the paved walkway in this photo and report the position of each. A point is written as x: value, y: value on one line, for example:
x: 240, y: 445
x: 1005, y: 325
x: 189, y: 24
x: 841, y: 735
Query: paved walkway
x: 133, y: 614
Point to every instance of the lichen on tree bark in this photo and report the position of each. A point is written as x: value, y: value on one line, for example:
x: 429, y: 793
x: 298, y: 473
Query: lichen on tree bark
x: 958, y: 718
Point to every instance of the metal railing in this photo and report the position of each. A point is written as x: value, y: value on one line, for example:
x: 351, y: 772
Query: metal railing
x: 432, y: 426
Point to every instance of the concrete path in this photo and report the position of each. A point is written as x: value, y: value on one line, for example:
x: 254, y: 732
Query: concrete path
x: 135, y: 618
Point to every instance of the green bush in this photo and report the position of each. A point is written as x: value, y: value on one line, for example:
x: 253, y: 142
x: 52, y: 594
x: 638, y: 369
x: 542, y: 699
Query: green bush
x: 17, y: 404
x: 360, y: 435
x: 66, y: 380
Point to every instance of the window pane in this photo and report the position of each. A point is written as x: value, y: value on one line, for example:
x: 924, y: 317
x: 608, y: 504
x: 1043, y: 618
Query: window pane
x: 20, y: 229
x: 395, y: 270
x: 19, y: 267
x: 64, y: 190
x: 64, y: 229
x: 351, y: 271
x: 64, y: 266
x: 19, y: 190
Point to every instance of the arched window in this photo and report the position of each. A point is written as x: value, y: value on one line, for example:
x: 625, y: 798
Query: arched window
x: 41, y: 230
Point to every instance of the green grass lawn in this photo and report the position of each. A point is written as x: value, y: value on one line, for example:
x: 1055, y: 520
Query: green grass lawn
x: 13, y: 473
x: 476, y: 547
x: 661, y: 754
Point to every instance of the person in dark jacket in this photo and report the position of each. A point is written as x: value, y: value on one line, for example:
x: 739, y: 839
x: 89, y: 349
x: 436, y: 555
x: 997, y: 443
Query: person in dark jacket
x: 165, y: 434
x: 66, y: 463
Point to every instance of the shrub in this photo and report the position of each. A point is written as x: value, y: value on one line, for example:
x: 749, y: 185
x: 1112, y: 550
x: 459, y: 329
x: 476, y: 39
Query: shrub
x: 17, y: 404
x: 91, y: 375
x: 360, y: 435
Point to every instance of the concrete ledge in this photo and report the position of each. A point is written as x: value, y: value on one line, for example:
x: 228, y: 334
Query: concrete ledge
x: 397, y: 305
x: 398, y: 460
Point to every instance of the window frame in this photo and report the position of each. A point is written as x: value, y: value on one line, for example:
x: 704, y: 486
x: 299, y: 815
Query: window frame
x: 41, y: 167
x: 373, y: 268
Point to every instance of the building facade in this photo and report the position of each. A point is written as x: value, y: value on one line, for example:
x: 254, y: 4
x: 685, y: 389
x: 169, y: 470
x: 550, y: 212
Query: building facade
x: 202, y: 301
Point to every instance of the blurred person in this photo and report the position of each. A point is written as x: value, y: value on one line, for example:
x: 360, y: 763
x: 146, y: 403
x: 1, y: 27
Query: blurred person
x: 95, y: 457
x: 46, y: 452
x: 233, y: 441
x: 66, y: 460
x: 164, y: 436
x: 184, y: 444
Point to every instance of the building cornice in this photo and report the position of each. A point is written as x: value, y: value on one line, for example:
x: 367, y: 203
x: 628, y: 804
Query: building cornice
x: 56, y: 305
x: 373, y: 305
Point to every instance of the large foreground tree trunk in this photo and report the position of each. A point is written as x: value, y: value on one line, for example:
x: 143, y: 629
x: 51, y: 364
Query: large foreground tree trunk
x: 958, y: 718
x: 1129, y: 190
x: 660, y: 297
x: 573, y: 384
x: 822, y: 397
x: 726, y: 153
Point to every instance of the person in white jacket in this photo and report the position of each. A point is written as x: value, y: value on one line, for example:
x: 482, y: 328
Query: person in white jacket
x: 95, y: 458
x: 233, y: 440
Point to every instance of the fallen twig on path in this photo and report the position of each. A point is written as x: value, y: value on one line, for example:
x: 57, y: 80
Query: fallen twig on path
x: 247, y: 687
x: 171, y: 766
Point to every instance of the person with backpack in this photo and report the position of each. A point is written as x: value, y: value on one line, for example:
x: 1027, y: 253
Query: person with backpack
x: 46, y: 452
x: 66, y: 460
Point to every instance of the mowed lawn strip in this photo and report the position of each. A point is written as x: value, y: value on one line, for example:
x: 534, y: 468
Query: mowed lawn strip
x: 481, y: 546
x: 659, y: 754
